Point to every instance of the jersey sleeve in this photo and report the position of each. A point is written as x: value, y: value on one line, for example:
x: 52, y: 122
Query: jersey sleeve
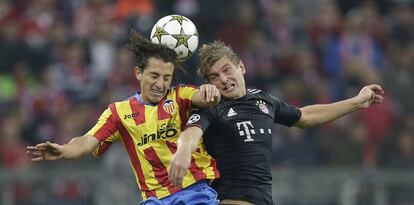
x: 201, y: 118
x: 185, y: 93
x: 285, y: 114
x: 105, y: 130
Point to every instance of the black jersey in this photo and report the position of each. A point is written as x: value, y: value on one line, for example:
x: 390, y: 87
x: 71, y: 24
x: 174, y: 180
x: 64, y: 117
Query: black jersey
x: 238, y: 134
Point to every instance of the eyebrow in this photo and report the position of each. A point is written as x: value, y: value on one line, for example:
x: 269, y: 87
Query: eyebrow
x: 227, y: 64
x: 155, y: 73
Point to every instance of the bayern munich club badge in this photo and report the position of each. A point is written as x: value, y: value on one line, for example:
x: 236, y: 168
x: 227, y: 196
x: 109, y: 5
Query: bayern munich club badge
x: 262, y: 106
x: 169, y: 106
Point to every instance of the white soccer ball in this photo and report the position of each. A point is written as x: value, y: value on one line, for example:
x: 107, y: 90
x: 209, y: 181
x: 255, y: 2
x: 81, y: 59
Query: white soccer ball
x: 178, y: 33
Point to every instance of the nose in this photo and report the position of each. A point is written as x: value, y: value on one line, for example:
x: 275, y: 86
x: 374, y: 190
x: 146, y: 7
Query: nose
x: 159, y: 84
x: 223, y: 78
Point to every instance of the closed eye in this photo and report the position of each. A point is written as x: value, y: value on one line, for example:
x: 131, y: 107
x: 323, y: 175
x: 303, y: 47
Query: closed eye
x: 167, y: 78
x: 212, y: 77
x: 227, y: 69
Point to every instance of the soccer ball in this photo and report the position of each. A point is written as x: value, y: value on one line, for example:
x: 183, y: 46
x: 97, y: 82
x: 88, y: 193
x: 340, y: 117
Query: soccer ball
x: 178, y: 33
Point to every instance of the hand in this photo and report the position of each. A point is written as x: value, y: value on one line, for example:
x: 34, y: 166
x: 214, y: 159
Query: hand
x: 369, y: 95
x: 179, y: 165
x: 45, y: 151
x: 209, y: 93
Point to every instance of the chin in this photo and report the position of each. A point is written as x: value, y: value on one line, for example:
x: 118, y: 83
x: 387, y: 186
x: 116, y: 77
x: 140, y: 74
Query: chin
x: 228, y: 96
x: 155, y: 100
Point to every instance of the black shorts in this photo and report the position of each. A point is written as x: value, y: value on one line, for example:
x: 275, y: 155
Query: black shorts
x: 236, y: 190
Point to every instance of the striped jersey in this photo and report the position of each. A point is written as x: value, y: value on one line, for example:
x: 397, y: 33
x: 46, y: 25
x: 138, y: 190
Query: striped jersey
x: 149, y: 134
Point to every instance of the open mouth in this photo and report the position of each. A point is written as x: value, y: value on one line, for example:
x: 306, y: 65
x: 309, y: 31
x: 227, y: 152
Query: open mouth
x: 157, y: 92
x: 229, y: 87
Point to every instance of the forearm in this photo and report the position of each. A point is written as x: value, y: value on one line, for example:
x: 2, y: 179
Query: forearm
x: 79, y: 147
x: 201, y: 102
x: 314, y: 115
x: 188, y: 140
x: 206, y: 96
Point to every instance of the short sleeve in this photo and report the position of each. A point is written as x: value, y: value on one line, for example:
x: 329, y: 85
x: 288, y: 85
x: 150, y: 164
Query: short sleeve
x: 186, y: 92
x: 285, y: 114
x: 202, y: 118
x: 105, y: 130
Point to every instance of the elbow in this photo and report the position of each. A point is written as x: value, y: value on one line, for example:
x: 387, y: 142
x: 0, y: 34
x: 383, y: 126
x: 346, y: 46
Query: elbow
x: 212, y: 104
x: 303, y: 125
x: 306, y: 121
x: 206, y: 104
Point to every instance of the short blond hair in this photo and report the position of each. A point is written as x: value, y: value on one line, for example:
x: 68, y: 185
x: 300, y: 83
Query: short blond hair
x: 210, y: 53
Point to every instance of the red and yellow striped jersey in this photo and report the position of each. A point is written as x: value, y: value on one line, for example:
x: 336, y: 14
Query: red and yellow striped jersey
x: 149, y: 134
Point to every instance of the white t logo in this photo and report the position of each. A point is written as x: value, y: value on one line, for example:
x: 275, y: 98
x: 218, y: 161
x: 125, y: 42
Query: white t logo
x: 244, y: 130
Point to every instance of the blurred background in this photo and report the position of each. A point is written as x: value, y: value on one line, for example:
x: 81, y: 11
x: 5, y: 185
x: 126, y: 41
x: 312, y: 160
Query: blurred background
x: 63, y: 61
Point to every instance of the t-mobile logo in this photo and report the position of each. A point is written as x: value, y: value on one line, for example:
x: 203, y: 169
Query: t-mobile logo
x: 246, y: 129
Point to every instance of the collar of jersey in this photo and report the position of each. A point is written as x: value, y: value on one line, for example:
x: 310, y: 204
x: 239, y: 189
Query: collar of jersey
x: 231, y: 99
x: 139, y: 98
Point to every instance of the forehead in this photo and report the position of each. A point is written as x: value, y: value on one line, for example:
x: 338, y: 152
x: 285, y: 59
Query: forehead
x: 156, y: 65
x: 216, y: 67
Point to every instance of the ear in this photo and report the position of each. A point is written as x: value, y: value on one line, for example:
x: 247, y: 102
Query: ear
x: 138, y: 73
x: 241, y: 66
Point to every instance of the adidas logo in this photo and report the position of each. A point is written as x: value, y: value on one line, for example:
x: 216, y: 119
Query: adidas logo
x: 231, y: 113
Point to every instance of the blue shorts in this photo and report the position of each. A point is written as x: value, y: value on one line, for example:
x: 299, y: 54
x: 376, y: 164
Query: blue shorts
x: 197, y: 194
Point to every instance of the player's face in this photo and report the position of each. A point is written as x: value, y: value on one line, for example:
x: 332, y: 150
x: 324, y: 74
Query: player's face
x: 155, y: 80
x: 228, y: 78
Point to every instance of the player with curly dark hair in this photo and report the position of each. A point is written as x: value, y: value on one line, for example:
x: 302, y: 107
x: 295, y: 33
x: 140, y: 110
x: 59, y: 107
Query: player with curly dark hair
x: 148, y: 125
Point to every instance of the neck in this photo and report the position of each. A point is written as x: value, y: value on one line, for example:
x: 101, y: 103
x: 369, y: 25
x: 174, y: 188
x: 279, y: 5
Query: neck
x: 144, y: 101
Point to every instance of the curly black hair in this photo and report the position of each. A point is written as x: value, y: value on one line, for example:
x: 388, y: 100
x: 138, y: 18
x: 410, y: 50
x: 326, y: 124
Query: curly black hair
x: 144, y: 49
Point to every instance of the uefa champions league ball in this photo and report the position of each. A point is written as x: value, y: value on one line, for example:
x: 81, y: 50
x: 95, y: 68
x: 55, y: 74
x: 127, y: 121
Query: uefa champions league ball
x: 178, y: 33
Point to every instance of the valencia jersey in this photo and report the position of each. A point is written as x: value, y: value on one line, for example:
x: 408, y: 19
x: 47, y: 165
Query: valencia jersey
x: 149, y: 134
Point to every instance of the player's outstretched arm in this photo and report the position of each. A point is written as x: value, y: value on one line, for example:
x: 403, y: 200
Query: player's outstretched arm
x: 314, y: 115
x: 207, y: 96
x: 76, y: 148
x: 180, y: 162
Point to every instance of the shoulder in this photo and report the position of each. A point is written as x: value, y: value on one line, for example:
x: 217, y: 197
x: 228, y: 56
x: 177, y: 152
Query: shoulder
x: 184, y: 89
x: 253, y: 91
x: 208, y: 111
x: 261, y: 95
x: 184, y: 86
x: 118, y: 106
x: 257, y: 93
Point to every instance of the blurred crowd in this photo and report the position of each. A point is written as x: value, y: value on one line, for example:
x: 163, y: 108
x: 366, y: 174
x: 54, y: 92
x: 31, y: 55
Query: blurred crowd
x: 62, y: 62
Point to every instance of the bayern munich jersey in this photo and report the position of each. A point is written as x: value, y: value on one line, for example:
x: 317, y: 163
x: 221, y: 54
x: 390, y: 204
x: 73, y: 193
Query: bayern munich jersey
x: 238, y: 134
x: 149, y: 134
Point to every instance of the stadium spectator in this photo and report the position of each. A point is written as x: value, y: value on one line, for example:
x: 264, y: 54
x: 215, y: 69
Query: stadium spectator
x: 399, y: 152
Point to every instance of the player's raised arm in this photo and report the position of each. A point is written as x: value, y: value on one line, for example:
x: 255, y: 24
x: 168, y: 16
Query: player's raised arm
x: 180, y: 162
x: 76, y: 148
x: 207, y: 96
x: 314, y: 115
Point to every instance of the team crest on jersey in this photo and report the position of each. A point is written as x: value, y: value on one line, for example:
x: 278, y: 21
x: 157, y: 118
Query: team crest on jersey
x: 169, y: 106
x: 262, y: 106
